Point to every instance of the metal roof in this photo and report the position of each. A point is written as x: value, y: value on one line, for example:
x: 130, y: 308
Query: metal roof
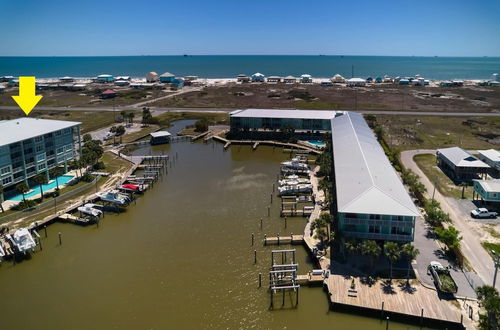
x: 461, y: 158
x: 490, y: 185
x: 167, y: 74
x: 21, y: 129
x: 365, y: 180
x: 291, y: 114
x: 491, y: 154
x: 160, y: 134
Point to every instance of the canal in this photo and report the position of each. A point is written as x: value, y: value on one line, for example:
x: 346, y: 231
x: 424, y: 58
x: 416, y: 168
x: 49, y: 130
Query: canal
x: 179, y: 258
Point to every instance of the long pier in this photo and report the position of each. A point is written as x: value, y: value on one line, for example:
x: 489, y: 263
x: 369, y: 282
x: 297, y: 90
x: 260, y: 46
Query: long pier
x: 256, y: 143
x: 278, y: 240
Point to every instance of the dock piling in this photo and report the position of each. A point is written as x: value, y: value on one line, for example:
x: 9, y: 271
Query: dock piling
x: 40, y: 243
x: 269, y: 211
x: 382, y: 311
x: 285, y: 222
x: 45, y: 229
x: 265, y: 239
x: 254, y: 256
x: 271, y: 198
x: 252, y: 239
x: 387, y: 323
x: 261, y: 223
x: 260, y: 280
x: 60, y: 238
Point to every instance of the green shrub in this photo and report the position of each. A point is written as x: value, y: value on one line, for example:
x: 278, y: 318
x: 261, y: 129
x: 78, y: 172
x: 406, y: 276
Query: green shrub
x: 23, y: 205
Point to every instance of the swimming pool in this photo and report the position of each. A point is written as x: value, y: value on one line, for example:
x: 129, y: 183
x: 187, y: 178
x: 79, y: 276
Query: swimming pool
x: 63, y: 179
x: 317, y: 143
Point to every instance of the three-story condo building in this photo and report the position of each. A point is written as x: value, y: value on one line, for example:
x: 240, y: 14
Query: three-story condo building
x: 29, y: 146
x: 371, y: 201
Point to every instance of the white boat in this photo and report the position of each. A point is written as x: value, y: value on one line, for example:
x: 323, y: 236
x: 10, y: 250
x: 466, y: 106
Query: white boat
x: 2, y: 252
x: 300, y: 188
x: 23, y: 240
x: 292, y: 177
x: 114, y: 197
x: 295, y: 164
x: 89, y: 209
x: 293, y: 182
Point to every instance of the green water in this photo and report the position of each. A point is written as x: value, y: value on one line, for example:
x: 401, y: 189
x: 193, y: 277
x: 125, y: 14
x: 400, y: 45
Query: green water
x: 180, y: 258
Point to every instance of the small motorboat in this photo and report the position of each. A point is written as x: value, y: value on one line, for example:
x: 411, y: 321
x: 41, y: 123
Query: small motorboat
x: 131, y: 187
x: 114, y: 197
x: 90, y: 209
x: 22, y: 240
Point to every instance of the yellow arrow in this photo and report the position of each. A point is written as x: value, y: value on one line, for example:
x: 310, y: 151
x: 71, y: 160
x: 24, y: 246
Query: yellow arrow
x: 27, y: 99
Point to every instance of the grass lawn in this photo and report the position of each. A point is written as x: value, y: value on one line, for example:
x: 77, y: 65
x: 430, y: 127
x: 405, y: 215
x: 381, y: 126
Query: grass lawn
x: 136, y: 135
x: 491, y: 231
x: 432, y: 132
x: 165, y: 119
x: 114, y: 164
x: 491, y: 246
x: 427, y: 163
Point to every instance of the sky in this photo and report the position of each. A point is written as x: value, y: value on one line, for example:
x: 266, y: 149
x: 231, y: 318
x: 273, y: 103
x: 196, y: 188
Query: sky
x: 216, y: 27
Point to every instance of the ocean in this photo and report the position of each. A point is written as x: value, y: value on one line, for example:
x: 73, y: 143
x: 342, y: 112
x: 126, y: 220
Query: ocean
x: 228, y: 66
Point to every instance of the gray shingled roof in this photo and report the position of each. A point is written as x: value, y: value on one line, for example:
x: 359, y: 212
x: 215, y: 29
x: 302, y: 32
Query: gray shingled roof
x: 366, y: 182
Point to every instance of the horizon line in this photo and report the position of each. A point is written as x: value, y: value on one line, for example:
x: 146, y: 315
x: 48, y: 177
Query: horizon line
x: 318, y: 55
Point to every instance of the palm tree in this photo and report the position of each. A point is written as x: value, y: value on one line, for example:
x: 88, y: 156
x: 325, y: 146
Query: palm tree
x: 55, y: 173
x: 23, y: 189
x: 1, y: 197
x: 372, y: 250
x: 351, y: 246
x: 410, y: 252
x: 393, y: 252
x: 463, y: 185
x: 131, y: 116
x: 41, y: 179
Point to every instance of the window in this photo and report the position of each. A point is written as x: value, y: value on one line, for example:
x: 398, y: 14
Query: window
x: 40, y: 157
x: 374, y: 216
x: 60, y: 150
x: 39, y: 139
x: 7, y: 180
x: 39, y: 148
x: 374, y: 229
x: 58, y: 133
x: 41, y: 166
x: 67, y: 130
x: 5, y: 170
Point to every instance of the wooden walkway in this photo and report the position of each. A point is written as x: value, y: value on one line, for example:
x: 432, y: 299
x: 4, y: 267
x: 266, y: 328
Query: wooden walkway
x: 255, y: 144
x: 422, y: 302
x: 277, y: 240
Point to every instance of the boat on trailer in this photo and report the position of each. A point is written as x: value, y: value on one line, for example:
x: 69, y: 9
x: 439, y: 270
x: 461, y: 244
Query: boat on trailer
x: 22, y: 240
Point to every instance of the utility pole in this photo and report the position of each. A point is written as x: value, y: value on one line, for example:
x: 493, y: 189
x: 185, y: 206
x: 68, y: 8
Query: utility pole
x: 497, y: 261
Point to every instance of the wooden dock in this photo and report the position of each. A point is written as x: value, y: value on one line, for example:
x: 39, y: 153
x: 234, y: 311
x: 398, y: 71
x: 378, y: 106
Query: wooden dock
x: 256, y: 143
x: 310, y: 279
x: 419, y: 304
x: 76, y: 220
x: 296, y: 213
x: 277, y: 240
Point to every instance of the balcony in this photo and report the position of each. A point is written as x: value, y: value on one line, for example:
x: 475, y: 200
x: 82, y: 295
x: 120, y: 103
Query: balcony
x: 379, y: 236
x: 378, y: 222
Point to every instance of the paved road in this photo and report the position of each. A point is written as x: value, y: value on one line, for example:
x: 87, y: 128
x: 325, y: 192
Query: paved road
x: 221, y: 110
x: 479, y: 259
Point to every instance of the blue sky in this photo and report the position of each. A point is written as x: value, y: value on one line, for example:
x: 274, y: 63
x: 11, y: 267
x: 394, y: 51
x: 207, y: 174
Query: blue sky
x: 362, y: 27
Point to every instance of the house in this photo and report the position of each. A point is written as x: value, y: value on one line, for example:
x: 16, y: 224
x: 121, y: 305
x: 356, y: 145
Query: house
x: 263, y: 119
x: 160, y: 137
x: 122, y: 82
x: 242, y: 78
x: 177, y: 83
x: 273, y: 79
x: 152, y: 77
x: 6, y: 78
x: 446, y: 83
x: 306, y: 79
x: 378, y: 80
x: 404, y: 81
x: 371, y: 201
x: 326, y: 83
x: 2, y: 88
x: 287, y: 80
x: 66, y: 79
x: 258, y: 77
x: 356, y: 82
x: 492, y: 158
x: 108, y: 94
x: 126, y: 78
x: 460, y: 165
x: 191, y: 78
x: 105, y: 78
x: 167, y: 77
x: 487, y: 191
x: 30, y: 146
x: 337, y: 79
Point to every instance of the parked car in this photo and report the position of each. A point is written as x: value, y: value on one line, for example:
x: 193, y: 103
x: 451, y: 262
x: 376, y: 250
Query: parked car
x: 442, y: 277
x: 482, y: 213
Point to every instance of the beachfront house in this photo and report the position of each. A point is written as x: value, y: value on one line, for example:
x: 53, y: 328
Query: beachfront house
x: 122, y: 82
x: 306, y: 79
x: 152, y: 77
x: 66, y: 79
x: 104, y: 78
x: 289, y: 80
x: 30, y: 146
x: 160, y: 137
x: 371, y: 201
x: 6, y: 78
x: 356, y: 82
x: 492, y: 158
x: 460, y: 165
x: 167, y: 77
x: 2, y: 88
x: 108, y: 94
x: 337, y: 79
x: 271, y: 119
x: 177, y: 83
x: 258, y: 77
x: 273, y: 79
x: 242, y: 78
x: 488, y: 191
